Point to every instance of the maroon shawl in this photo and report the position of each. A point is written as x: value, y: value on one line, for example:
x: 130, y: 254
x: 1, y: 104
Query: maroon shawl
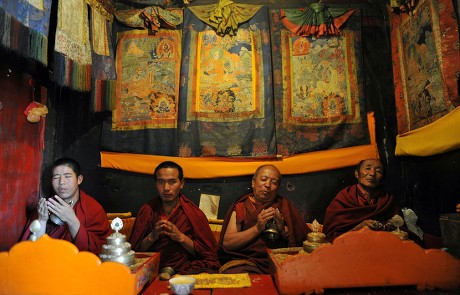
x: 94, y: 226
x: 192, y: 222
x: 256, y: 250
x: 344, y: 212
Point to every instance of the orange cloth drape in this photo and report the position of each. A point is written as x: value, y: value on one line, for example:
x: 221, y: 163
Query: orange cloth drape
x: 436, y: 138
x: 215, y: 167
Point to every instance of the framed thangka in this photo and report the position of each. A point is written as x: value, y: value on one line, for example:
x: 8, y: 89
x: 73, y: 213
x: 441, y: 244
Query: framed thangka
x: 426, y: 63
x: 318, y: 86
x: 226, y: 106
x: 144, y: 118
x: 147, y: 80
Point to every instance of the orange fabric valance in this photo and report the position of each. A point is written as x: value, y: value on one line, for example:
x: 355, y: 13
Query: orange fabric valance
x: 217, y: 167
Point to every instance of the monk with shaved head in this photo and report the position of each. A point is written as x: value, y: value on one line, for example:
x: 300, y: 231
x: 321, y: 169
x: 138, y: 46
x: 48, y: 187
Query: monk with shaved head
x: 364, y: 204
x: 256, y: 221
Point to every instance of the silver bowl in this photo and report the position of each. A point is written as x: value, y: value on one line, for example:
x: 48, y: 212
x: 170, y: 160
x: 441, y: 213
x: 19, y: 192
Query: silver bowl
x: 56, y: 220
x: 182, y: 285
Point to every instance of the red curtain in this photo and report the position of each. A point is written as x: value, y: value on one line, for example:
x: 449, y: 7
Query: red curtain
x: 21, y: 146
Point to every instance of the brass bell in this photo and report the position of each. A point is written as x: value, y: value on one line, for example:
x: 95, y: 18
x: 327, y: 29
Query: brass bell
x: 271, y: 230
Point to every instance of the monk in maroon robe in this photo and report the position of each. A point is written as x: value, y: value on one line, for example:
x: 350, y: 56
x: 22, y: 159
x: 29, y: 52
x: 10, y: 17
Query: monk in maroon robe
x: 174, y: 226
x: 82, y: 220
x: 364, y: 204
x: 244, y: 240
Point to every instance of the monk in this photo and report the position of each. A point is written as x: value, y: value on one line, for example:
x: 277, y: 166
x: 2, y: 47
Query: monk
x: 244, y: 238
x: 364, y: 204
x: 174, y: 226
x: 71, y: 214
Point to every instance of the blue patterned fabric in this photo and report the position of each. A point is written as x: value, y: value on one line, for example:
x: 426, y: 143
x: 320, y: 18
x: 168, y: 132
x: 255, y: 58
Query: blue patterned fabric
x: 24, y: 28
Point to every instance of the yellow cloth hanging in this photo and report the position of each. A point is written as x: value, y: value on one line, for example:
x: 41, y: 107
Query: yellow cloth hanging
x: 99, y: 36
x: 436, y: 138
x: 225, y: 16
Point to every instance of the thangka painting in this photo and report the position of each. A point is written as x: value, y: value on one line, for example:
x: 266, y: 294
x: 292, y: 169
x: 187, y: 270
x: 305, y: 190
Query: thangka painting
x: 226, y: 106
x: 318, y: 84
x: 148, y: 69
x: 144, y: 116
x: 426, y: 63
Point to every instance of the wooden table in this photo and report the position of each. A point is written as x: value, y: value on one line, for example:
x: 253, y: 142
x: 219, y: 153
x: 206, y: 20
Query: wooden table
x: 260, y: 284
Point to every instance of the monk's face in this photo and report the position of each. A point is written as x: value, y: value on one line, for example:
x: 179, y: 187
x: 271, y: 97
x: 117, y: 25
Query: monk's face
x: 65, y: 182
x: 265, y: 183
x: 370, y: 174
x: 168, y: 184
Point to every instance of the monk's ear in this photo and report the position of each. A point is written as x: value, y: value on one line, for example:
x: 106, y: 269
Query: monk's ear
x: 356, y: 174
x: 80, y: 179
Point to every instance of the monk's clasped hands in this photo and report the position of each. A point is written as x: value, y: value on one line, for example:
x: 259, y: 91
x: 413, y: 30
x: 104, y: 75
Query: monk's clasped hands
x: 269, y: 215
x: 168, y: 228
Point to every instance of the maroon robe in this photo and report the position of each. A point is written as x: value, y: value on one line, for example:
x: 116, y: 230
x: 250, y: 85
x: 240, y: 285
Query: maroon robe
x: 94, y: 226
x: 345, y: 211
x: 192, y: 222
x: 255, y: 252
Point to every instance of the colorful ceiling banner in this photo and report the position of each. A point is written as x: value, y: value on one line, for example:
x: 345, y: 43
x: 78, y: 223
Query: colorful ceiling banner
x: 225, y: 16
x: 24, y: 27
x: 316, y: 20
x: 226, y: 106
x: 103, y: 55
x: 151, y: 18
x: 426, y: 59
x: 103, y: 75
x: 72, y: 46
x: 318, y: 82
